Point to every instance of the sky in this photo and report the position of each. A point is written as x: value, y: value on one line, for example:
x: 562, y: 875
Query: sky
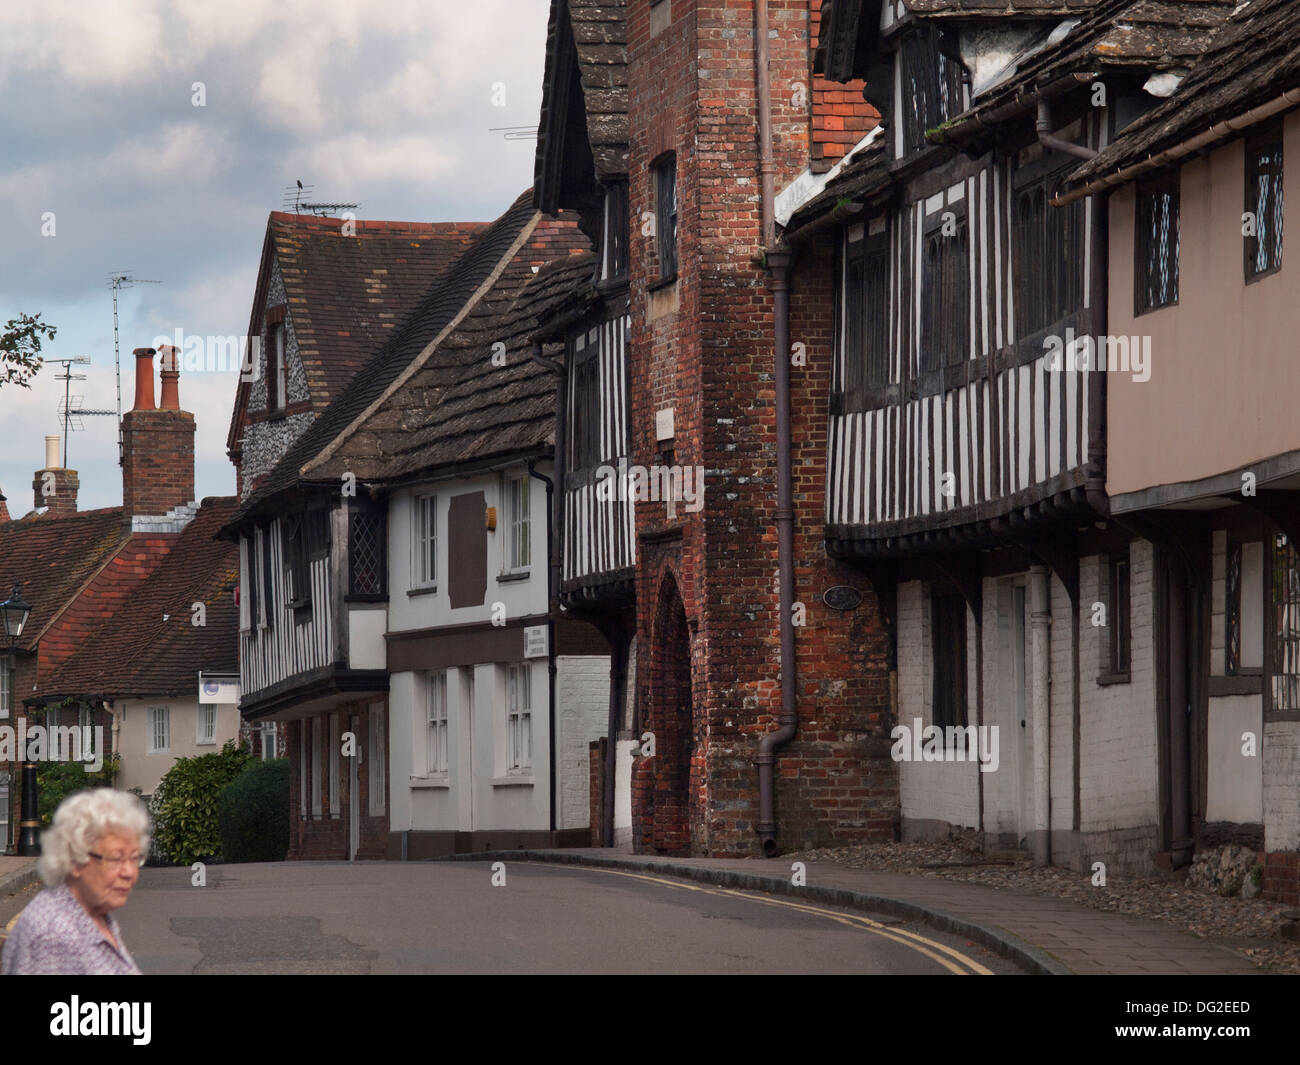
x: 153, y: 137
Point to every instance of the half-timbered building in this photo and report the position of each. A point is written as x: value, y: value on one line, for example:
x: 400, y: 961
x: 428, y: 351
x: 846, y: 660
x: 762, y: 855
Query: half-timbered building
x: 1204, y: 455
x: 582, y: 167
x: 367, y: 582
x: 967, y: 450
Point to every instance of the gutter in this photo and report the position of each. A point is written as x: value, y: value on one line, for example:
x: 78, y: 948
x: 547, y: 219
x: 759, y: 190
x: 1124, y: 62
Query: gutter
x: 1220, y: 131
x: 778, y: 260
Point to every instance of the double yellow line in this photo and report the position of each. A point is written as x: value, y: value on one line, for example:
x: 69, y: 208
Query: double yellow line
x: 950, y: 959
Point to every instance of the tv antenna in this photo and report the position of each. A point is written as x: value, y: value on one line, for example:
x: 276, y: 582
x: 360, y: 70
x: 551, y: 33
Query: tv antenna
x: 117, y: 280
x: 70, y: 410
x: 515, y: 133
x: 294, y: 197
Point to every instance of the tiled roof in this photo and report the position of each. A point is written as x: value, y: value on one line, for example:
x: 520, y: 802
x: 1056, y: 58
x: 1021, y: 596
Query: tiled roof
x: 150, y: 645
x: 1252, y: 61
x: 53, y: 558
x: 1152, y: 35
x: 462, y: 407
x: 347, y: 294
x: 472, y: 276
x: 593, y: 35
x: 994, y: 8
x: 600, y: 33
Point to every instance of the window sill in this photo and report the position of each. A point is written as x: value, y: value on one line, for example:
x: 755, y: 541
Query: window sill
x: 430, y: 589
x: 513, y: 575
x: 1105, y: 680
x: 437, y: 780
x: 663, y: 282
x: 513, y: 782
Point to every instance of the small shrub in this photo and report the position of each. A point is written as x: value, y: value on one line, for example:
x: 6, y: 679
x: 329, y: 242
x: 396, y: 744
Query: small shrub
x: 253, y: 813
x: 185, y: 804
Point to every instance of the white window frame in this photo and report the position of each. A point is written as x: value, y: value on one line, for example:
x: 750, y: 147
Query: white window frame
x: 279, y: 338
x: 437, y: 746
x: 204, y: 737
x: 336, y: 742
x: 424, y: 540
x: 377, y: 783
x: 519, y: 724
x: 269, y: 729
x: 315, y: 766
x: 516, y: 503
x: 6, y: 685
x: 155, y: 716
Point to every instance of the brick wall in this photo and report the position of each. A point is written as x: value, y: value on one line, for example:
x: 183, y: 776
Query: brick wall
x: 840, y: 116
x: 582, y: 715
x: 158, y: 465
x: 703, y: 347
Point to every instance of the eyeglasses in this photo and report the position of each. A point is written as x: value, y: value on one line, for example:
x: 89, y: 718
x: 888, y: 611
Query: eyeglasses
x: 116, y: 863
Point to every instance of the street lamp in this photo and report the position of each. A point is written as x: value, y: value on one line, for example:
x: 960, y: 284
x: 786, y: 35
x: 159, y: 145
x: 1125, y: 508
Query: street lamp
x: 14, y: 613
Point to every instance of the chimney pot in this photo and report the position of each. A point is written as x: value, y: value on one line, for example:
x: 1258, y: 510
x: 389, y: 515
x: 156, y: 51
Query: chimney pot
x: 144, y: 379
x: 52, y: 453
x: 171, y: 372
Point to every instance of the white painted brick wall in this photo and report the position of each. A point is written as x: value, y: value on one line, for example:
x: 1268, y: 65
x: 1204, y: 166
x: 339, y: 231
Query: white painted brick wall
x: 1119, y: 764
x: 1235, y: 780
x: 1218, y: 598
x: 582, y: 712
x: 1061, y: 728
x: 1282, y: 785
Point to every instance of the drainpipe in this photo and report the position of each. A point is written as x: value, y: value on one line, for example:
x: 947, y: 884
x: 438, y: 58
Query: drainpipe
x: 1040, y: 648
x: 552, y: 593
x: 1056, y: 144
x: 554, y: 533
x: 778, y: 265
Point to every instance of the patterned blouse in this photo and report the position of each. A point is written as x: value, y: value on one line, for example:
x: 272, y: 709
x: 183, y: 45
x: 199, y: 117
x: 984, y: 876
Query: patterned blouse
x: 55, y: 936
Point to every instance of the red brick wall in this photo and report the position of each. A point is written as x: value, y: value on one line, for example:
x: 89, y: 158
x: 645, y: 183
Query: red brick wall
x: 692, y: 91
x: 840, y: 116
x: 1282, y: 877
x: 158, y: 464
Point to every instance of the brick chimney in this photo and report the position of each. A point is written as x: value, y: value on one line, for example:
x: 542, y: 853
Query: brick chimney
x: 54, y: 487
x: 157, y: 442
x: 4, y: 509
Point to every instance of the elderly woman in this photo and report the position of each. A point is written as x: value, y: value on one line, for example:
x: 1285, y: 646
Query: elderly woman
x: 90, y: 860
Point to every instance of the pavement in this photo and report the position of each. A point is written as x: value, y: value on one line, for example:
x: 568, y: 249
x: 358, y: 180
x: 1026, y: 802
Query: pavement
x: 1042, y: 934
x: 16, y: 874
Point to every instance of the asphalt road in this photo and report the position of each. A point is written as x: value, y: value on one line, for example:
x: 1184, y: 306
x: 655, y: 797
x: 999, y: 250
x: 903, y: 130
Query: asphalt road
x: 447, y: 917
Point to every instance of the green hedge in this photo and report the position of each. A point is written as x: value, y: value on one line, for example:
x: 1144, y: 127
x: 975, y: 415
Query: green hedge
x: 253, y: 813
x: 185, y: 804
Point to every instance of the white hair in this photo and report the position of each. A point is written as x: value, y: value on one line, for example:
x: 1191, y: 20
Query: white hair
x: 81, y: 821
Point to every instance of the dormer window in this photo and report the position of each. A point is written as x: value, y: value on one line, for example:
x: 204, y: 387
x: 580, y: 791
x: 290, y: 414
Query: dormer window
x: 931, y: 86
x: 277, y: 385
x: 613, y: 259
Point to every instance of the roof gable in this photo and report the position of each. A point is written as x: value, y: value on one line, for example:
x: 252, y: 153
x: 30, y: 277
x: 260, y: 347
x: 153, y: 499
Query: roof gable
x: 345, y: 294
